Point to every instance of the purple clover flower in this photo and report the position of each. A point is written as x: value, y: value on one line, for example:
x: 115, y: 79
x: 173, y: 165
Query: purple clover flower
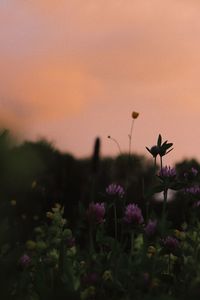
x: 194, y: 171
x: 24, y: 260
x: 194, y: 190
x: 191, y: 173
x: 96, y: 212
x: 167, y: 172
x: 150, y: 228
x: 115, y: 189
x: 170, y: 244
x: 133, y: 214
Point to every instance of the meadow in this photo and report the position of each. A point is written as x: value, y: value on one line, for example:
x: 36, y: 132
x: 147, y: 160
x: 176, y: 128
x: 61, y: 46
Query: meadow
x: 113, y: 228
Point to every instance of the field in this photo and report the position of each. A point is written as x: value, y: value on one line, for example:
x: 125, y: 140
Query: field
x: 113, y: 228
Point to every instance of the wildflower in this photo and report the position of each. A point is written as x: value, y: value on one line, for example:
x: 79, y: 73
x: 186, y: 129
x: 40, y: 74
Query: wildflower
x: 133, y: 214
x: 82, y: 264
x: 115, y: 189
x: 135, y: 115
x: 167, y: 172
x: 96, y: 212
x: 53, y: 255
x: 194, y: 171
x: 41, y: 246
x: 107, y: 276
x: 150, y: 228
x: 161, y: 148
x: 154, y: 150
x: 71, y: 252
x: 193, y: 190
x: 151, y: 251
x: 24, y: 260
x: 49, y: 215
x: 170, y: 243
x: 13, y: 202
x: 30, y: 245
x: 179, y: 234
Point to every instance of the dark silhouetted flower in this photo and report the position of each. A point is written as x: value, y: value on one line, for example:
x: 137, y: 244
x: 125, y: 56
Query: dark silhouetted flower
x: 194, y: 190
x: 150, y: 228
x: 24, y: 260
x: 161, y: 148
x: 167, y: 172
x: 170, y: 243
x: 115, y: 190
x: 133, y: 214
x: 135, y: 115
x: 96, y: 212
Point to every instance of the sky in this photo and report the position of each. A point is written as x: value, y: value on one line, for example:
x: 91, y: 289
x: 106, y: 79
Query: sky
x: 72, y: 70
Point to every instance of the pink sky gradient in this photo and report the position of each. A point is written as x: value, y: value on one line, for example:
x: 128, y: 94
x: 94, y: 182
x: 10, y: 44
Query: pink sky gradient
x: 74, y: 70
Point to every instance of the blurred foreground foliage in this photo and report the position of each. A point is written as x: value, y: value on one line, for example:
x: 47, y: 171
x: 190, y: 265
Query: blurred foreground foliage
x: 34, y: 176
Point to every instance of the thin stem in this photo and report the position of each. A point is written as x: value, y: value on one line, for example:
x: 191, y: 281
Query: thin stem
x: 116, y: 142
x: 169, y: 263
x: 155, y: 165
x: 161, y: 163
x: 130, y: 137
x: 91, y: 239
x: 132, y: 243
x: 115, y: 217
x: 164, y: 209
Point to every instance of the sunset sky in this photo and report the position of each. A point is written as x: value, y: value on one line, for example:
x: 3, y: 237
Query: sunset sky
x: 71, y: 70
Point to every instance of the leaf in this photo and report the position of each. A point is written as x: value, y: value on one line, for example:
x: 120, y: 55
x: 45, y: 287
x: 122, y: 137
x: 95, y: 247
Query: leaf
x: 148, y: 149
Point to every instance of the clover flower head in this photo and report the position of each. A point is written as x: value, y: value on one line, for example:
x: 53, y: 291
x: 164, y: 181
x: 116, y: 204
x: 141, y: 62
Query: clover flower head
x: 115, y: 190
x: 24, y: 260
x: 96, y: 212
x: 167, y: 172
x: 150, y: 228
x: 133, y: 214
x: 193, y: 190
x: 170, y: 244
x: 194, y: 171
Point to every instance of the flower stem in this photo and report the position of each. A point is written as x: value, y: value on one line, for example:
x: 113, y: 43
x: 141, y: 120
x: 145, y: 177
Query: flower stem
x: 91, y: 239
x: 169, y: 263
x: 132, y: 243
x: 115, y: 218
x: 164, y: 209
x: 161, y: 163
x: 155, y: 165
x: 130, y: 138
x: 116, y: 142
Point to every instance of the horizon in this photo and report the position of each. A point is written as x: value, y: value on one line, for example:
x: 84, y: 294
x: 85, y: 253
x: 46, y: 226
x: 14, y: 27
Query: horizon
x: 72, y: 71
